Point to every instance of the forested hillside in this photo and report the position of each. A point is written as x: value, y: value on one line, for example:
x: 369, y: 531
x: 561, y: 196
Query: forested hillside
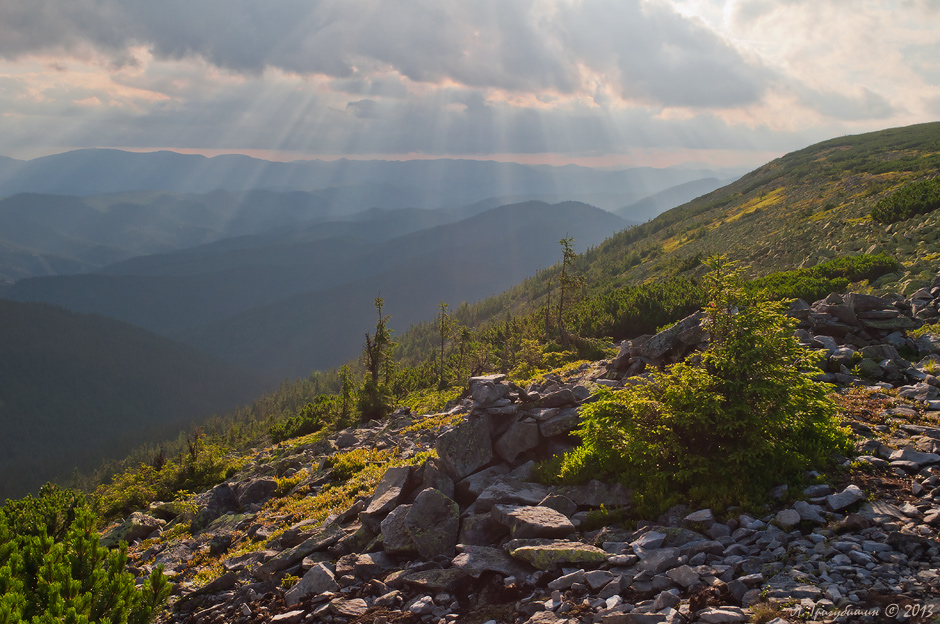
x: 297, y: 299
x: 76, y: 390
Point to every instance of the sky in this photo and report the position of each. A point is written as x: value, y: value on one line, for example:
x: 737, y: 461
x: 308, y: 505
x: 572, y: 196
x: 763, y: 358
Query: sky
x: 594, y: 82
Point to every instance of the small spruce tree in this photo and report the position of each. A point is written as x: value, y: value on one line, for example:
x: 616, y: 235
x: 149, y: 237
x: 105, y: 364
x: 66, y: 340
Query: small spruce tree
x: 724, y: 425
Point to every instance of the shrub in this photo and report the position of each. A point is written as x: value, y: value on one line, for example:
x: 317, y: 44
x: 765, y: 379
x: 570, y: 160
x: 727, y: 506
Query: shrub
x: 908, y: 201
x: 724, y: 425
x: 53, y: 570
x: 816, y: 282
x: 311, y: 418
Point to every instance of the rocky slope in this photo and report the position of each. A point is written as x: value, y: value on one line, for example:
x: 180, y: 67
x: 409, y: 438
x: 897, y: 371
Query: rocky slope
x: 467, y: 534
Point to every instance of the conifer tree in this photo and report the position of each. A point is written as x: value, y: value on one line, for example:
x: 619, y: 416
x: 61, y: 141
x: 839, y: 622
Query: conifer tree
x: 444, y: 323
x: 375, y: 397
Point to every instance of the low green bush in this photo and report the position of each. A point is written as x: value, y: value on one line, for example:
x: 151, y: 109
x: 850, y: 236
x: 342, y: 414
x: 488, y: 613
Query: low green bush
x: 817, y: 282
x: 910, y: 200
x: 53, y: 570
x: 723, y: 426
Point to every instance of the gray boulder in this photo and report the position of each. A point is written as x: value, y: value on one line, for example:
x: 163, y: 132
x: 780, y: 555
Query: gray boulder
x: 519, y: 438
x: 466, y: 448
x: 532, y: 521
x: 475, y: 560
x: 137, y: 526
x: 562, y: 422
x: 846, y: 498
x: 433, y: 523
x: 387, y: 494
x: 318, y: 579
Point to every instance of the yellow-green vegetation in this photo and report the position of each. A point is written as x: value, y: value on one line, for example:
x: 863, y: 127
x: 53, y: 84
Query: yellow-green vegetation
x: 430, y: 400
x: 345, y: 465
x: 203, y: 466
x: 289, y: 580
x: 286, y: 484
x: 434, y: 421
x: 763, y: 612
x: 722, y: 427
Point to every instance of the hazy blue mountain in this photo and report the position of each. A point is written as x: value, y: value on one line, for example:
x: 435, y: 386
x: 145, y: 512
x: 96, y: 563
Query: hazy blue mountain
x: 46, y: 234
x: 190, y: 292
x: 464, y: 261
x: 350, y: 185
x: 660, y: 202
x: 78, y: 389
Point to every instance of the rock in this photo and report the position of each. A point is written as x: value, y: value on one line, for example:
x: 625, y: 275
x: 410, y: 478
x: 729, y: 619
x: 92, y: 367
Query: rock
x: 650, y: 540
x: 387, y: 494
x: 256, y: 491
x: 481, y: 530
x: 467, y: 490
x: 566, y: 581
x: 561, y: 504
x: 475, y: 560
x: 318, y: 579
x: 348, y: 608
x: 659, y: 345
x: 869, y: 369
x: 487, y: 391
x: 684, y: 576
x: 559, y: 398
x: 723, y: 615
x: 396, y: 537
x: 532, y: 521
x: 861, y: 302
x: 364, y: 566
x: 562, y: 422
x: 918, y: 392
x: 322, y: 538
x: 423, y: 605
x: 880, y: 512
x: 928, y: 344
x: 808, y: 512
x: 466, y: 448
x: 436, y: 580
x: 597, y: 493
x: 546, y: 554
x: 433, y: 522
x: 658, y: 560
x: 788, y: 518
x: 909, y: 454
x: 432, y: 475
x: 702, y: 519
x: 511, y: 493
x: 137, y: 526
x: 519, y: 438
x: 846, y: 498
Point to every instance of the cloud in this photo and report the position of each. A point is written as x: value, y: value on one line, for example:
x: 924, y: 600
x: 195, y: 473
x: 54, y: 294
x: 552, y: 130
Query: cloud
x: 639, y: 50
x: 455, y: 77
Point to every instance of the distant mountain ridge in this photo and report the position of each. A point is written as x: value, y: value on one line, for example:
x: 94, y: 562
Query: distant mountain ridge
x: 78, y: 389
x: 256, y: 298
x: 351, y: 185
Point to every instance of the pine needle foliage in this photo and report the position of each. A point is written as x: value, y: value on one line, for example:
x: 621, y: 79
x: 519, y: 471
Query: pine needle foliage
x: 723, y: 426
x: 53, y: 570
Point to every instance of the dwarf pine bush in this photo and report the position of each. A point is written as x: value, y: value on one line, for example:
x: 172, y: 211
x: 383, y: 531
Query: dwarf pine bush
x: 53, y: 570
x: 724, y: 425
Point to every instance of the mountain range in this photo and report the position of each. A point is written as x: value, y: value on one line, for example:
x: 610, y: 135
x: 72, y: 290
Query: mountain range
x: 268, y: 301
x: 293, y: 290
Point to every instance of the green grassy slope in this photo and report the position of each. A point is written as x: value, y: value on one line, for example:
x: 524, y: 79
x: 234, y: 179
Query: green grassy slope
x: 796, y: 211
